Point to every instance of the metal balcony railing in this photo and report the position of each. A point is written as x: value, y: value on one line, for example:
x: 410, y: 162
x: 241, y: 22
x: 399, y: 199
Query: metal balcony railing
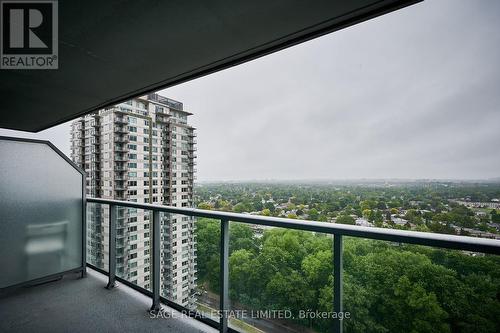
x: 122, y: 149
x: 121, y: 138
x: 482, y: 245
x: 121, y: 120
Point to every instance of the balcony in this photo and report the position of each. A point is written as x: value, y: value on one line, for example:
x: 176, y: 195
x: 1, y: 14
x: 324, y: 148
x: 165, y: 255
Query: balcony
x: 121, y: 157
x: 121, y: 138
x: 121, y: 120
x: 83, y: 305
x: 161, y: 295
x: 121, y: 129
x: 162, y: 118
x: 122, y: 149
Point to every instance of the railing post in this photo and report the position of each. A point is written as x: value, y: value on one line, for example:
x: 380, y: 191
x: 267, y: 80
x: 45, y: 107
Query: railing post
x: 112, y: 246
x: 337, y: 282
x: 156, y: 261
x: 224, y: 275
x: 84, y: 231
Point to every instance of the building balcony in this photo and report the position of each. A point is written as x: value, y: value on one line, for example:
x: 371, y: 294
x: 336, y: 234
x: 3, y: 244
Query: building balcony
x: 121, y: 120
x: 83, y: 305
x: 121, y: 158
x: 121, y: 138
x: 120, y: 195
x: 43, y: 220
x: 120, y: 129
x: 162, y: 118
x: 122, y: 149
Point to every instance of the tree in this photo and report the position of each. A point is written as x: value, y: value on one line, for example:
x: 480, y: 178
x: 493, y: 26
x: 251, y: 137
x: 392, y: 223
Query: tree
x: 317, y: 268
x: 240, y: 268
x: 240, y: 208
x: 495, y: 217
x: 241, y: 236
x: 413, y: 216
x: 313, y: 214
x: 257, y: 205
x: 345, y: 219
x: 208, y: 247
x: 270, y: 206
x: 205, y: 205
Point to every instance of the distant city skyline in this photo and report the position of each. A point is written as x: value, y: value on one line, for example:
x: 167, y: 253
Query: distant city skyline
x: 412, y: 95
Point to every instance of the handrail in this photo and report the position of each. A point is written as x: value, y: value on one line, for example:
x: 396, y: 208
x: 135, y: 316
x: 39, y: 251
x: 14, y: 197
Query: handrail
x: 475, y: 244
x: 337, y: 230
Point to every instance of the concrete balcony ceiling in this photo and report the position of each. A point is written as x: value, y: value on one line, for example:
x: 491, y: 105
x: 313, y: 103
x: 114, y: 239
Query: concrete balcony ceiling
x: 110, y: 51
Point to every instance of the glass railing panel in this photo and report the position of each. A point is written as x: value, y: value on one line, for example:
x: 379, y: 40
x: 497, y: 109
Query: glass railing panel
x: 178, y: 259
x: 134, y: 246
x: 207, y: 267
x: 41, y: 212
x: 393, y: 287
x: 98, y: 235
x: 280, y: 280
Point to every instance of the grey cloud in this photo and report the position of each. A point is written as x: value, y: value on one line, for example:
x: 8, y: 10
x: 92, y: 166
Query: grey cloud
x: 412, y: 94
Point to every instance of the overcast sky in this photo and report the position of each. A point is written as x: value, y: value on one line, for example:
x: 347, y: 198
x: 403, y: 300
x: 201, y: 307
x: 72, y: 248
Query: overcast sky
x: 412, y: 94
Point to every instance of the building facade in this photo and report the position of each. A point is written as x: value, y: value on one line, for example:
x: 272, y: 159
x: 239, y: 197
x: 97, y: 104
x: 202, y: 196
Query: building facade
x: 143, y: 151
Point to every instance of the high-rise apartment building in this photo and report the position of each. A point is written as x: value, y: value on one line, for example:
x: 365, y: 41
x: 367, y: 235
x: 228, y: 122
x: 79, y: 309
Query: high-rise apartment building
x: 142, y: 150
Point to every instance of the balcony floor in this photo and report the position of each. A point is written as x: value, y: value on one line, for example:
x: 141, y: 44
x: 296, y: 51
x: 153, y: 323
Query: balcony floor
x: 84, y: 305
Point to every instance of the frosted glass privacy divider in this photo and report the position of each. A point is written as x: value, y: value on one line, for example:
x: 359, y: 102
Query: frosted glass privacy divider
x: 41, y: 212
